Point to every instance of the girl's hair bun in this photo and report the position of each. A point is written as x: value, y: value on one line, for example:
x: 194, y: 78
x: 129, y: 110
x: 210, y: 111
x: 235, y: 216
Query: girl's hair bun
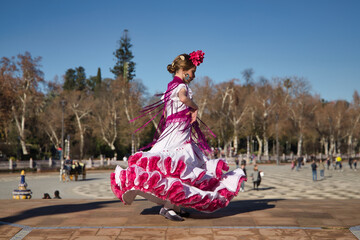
x: 180, y: 62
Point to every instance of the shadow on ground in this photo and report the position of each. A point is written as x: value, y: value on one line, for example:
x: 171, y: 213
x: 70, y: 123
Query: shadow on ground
x: 234, y: 208
x: 56, y: 209
x: 91, y: 179
x: 262, y: 188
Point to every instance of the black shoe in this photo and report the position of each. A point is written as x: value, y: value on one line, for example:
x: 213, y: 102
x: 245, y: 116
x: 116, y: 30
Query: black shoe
x: 170, y: 214
x: 183, y: 213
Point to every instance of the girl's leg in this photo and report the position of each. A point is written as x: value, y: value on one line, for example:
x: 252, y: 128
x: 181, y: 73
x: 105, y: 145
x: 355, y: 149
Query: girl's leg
x: 169, y: 211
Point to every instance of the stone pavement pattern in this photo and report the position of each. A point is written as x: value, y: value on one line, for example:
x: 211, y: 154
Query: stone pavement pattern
x: 278, y: 182
x: 242, y: 219
x: 289, y: 205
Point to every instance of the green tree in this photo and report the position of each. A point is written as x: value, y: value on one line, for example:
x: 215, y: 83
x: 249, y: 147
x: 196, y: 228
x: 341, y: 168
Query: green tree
x: 94, y: 82
x: 124, y: 66
x: 69, y: 79
x: 80, y: 78
x: 75, y: 79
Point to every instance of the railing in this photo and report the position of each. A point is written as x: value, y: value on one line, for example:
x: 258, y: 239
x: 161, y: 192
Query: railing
x: 43, y: 165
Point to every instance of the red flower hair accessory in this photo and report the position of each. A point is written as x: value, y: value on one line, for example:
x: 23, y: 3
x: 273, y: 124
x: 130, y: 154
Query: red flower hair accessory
x: 197, y: 57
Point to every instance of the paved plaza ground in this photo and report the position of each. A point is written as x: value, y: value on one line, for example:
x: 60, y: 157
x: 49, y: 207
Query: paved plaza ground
x: 288, y: 205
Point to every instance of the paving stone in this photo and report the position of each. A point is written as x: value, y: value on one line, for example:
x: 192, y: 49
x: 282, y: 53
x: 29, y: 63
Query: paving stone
x: 8, y: 231
x: 143, y: 233
x: 230, y: 237
x: 93, y: 238
x: 286, y: 199
x: 34, y: 238
x: 85, y: 232
x: 330, y: 234
x: 200, y: 231
x: 276, y: 221
x: 283, y: 233
x: 65, y: 233
x: 108, y: 232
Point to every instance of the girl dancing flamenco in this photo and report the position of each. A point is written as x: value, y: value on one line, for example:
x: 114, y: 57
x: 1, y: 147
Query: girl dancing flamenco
x: 175, y: 172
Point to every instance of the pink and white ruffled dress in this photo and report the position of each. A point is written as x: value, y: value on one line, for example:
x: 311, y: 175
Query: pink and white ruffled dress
x: 176, y: 169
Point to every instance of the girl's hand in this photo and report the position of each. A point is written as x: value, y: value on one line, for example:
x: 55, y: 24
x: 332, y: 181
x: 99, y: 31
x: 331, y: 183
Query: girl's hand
x: 193, y: 114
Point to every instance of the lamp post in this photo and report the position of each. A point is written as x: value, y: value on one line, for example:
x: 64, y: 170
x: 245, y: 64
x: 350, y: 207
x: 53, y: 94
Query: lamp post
x: 253, y: 146
x: 277, y: 139
x: 62, y: 129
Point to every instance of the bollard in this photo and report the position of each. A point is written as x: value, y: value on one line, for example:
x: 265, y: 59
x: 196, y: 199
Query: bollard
x: 10, y: 164
x: 31, y: 163
x: 50, y: 162
x: 22, y: 192
x: 101, y: 160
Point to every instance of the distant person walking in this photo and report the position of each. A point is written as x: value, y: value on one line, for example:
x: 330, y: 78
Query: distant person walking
x: 350, y: 162
x: 243, y: 167
x: 355, y: 164
x: 293, y: 164
x: 321, y: 169
x: 328, y: 163
x: 338, y: 162
x: 256, y: 178
x: 314, y: 170
x: 299, y: 162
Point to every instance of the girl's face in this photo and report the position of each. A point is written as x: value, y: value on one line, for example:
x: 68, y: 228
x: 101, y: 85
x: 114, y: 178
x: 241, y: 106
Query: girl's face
x: 189, y: 75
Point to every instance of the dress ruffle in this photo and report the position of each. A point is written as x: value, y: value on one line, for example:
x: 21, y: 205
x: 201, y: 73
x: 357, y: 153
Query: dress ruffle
x: 175, y: 177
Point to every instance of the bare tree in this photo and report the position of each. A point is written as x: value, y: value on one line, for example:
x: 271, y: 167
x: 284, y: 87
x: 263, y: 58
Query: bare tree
x: 80, y: 104
x: 24, y: 75
x: 108, y: 111
x: 354, y: 118
x: 265, y: 105
x: 230, y: 106
x: 203, y: 93
x: 7, y: 96
x: 301, y: 107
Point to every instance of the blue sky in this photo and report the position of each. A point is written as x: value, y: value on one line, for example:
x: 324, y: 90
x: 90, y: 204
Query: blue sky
x: 315, y: 39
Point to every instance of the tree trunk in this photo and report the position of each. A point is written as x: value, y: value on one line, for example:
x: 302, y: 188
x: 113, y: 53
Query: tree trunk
x: 235, y: 143
x: 332, y: 145
x: 266, y: 146
x: 247, y: 149
x: 225, y: 149
x: 81, y: 132
x: 21, y: 126
x: 299, y: 146
x: 21, y: 132
x: 230, y: 153
x: 326, y: 146
x: 260, y: 145
x: 53, y: 137
x: 132, y: 144
x: 266, y: 142
x: 338, y: 145
x: 23, y: 146
x: 350, y: 145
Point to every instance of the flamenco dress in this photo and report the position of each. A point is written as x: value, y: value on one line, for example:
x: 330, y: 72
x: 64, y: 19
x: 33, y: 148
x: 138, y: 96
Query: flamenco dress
x: 176, y: 170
